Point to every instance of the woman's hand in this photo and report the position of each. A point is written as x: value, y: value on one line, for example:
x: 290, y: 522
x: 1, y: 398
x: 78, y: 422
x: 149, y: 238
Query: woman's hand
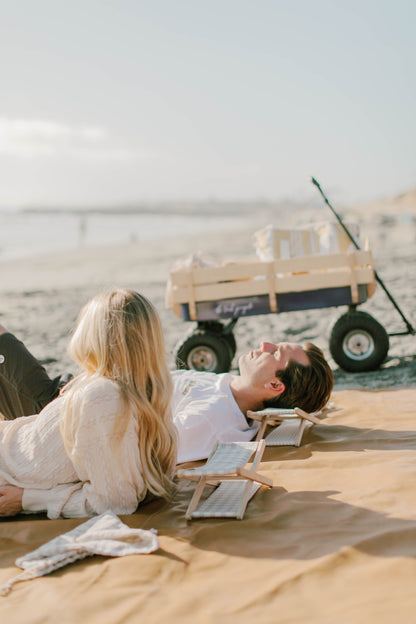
x: 10, y: 500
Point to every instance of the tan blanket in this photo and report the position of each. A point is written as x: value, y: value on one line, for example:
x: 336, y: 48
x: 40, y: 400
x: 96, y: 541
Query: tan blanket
x: 334, y: 541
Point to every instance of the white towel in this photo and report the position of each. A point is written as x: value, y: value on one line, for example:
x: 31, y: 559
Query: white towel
x: 102, y: 535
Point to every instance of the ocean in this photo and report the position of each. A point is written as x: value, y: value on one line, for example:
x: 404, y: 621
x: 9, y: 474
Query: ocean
x: 30, y: 233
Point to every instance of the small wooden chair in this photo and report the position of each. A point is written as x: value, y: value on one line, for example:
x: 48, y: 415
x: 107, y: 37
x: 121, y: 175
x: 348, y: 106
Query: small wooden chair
x: 226, y: 466
x: 292, y: 424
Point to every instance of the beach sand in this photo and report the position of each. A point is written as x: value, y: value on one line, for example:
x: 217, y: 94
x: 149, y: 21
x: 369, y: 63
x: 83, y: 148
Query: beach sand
x: 41, y: 297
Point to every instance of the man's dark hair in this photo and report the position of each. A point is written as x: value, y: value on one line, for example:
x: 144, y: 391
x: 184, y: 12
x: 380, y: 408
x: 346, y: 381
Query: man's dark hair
x: 308, y: 387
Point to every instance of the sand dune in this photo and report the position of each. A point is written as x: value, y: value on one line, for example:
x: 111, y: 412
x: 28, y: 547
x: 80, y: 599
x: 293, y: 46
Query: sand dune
x: 399, y: 206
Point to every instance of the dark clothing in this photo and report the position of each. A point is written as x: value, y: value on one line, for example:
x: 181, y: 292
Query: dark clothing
x: 25, y: 386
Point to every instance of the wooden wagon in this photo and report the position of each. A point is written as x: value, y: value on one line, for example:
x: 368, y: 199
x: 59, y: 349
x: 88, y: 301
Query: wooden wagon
x: 211, y: 295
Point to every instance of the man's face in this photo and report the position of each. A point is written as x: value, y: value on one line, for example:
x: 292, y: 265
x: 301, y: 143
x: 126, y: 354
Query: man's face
x: 260, y: 365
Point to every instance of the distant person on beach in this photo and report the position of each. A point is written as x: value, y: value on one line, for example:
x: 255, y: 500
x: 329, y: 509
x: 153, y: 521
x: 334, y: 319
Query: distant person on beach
x: 206, y: 407
x: 108, y: 439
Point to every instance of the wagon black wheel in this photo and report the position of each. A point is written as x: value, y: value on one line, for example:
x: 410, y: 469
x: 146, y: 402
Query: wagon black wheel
x: 231, y: 342
x: 204, y: 351
x: 358, y: 342
x: 217, y: 328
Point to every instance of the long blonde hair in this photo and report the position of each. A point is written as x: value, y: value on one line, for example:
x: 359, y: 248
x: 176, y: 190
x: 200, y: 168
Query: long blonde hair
x: 119, y: 336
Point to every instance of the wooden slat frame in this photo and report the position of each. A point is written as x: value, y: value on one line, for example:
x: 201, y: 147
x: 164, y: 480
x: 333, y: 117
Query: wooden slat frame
x: 292, y: 283
x: 271, y: 288
x: 238, y: 473
x: 231, y: 271
x: 272, y: 416
x: 294, y: 275
x: 353, y: 279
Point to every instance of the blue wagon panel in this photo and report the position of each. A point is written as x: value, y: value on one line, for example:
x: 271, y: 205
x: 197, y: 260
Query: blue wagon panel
x: 286, y: 302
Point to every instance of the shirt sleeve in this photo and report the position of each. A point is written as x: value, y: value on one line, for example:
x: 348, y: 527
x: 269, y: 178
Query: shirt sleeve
x: 203, y: 422
x: 196, y: 432
x: 108, y: 470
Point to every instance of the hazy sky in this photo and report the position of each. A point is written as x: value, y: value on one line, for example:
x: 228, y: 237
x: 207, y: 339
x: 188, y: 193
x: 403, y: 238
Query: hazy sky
x: 104, y: 101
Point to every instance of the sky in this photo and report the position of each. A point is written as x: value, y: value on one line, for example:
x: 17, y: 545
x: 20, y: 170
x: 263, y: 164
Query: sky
x: 126, y: 101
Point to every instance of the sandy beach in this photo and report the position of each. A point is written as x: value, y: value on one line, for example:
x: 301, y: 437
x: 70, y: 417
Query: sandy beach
x: 40, y: 297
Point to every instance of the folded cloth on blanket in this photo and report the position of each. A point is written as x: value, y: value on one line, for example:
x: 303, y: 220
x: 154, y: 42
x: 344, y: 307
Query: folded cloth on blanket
x: 102, y: 535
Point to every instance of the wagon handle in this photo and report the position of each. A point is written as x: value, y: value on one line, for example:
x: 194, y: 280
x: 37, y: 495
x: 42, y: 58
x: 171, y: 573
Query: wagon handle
x: 410, y: 329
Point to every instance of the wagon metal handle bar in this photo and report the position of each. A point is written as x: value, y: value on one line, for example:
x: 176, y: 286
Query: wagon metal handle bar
x: 410, y: 329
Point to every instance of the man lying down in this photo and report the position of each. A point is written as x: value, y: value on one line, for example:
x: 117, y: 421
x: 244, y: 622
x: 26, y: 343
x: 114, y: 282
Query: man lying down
x: 206, y: 407
x: 209, y: 407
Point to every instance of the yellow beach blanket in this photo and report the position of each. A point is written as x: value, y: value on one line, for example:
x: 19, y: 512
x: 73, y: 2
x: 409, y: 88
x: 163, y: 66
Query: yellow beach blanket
x: 333, y: 541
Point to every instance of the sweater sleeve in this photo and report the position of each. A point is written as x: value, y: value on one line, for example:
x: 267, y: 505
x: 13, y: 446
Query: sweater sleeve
x: 108, y: 470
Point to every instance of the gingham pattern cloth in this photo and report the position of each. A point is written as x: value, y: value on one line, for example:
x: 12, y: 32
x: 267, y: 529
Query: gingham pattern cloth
x: 227, y: 457
x: 102, y: 535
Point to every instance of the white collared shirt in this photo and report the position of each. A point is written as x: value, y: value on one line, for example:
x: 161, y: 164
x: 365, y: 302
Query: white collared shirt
x: 204, y: 411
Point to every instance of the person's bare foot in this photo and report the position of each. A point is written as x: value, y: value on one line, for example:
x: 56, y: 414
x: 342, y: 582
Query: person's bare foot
x: 3, y: 330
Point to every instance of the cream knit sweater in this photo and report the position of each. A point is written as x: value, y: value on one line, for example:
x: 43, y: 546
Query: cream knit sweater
x: 94, y: 478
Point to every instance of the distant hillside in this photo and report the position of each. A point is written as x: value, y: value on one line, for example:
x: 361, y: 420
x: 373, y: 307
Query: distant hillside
x: 403, y: 204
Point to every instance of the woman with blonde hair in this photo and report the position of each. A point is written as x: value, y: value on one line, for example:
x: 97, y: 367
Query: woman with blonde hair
x: 108, y: 440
